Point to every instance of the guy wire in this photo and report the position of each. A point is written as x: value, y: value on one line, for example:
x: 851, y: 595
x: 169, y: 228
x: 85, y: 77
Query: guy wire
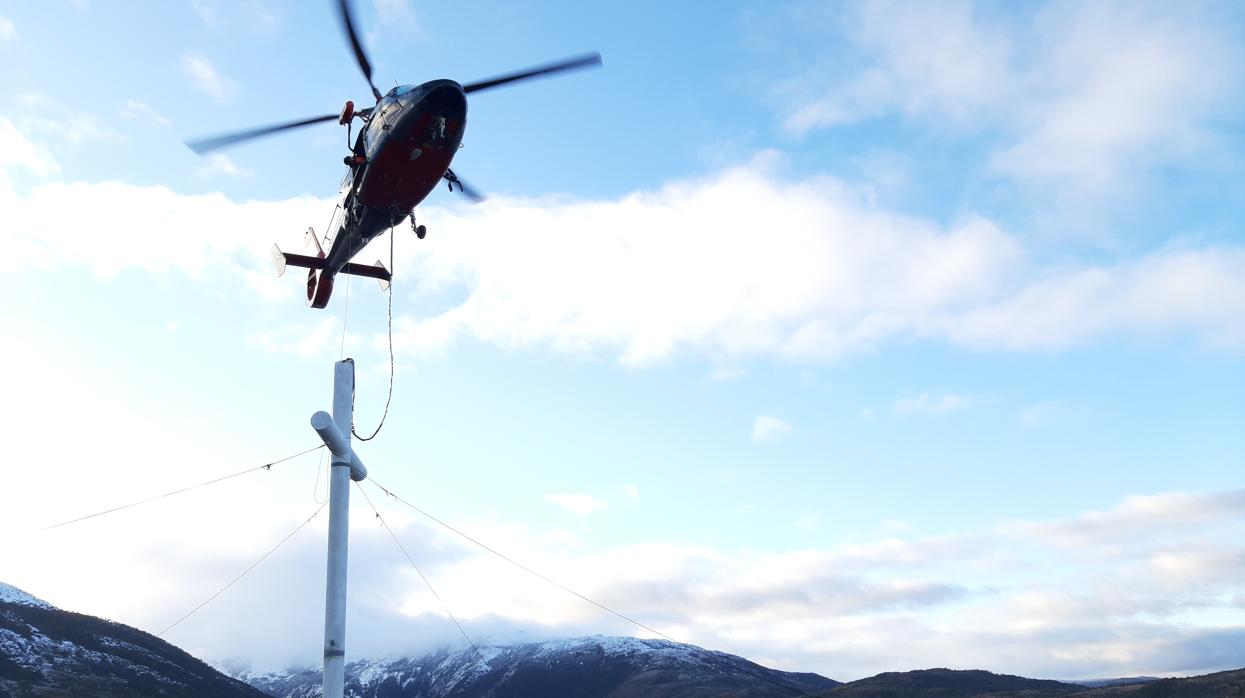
x: 265, y: 466
x: 244, y: 572
x: 427, y: 583
x: 707, y: 653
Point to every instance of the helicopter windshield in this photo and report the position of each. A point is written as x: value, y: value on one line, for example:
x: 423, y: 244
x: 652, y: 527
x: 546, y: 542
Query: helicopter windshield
x: 400, y: 90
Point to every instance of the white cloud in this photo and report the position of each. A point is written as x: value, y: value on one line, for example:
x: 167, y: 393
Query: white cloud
x: 1121, y: 85
x: 321, y: 338
x: 1165, y: 291
x: 35, y: 100
x: 8, y: 31
x: 134, y: 109
x: 631, y: 491
x: 64, y: 125
x: 834, y: 276
x: 726, y: 373
x: 560, y: 537
x: 221, y: 164
x: 207, y: 12
x: 1190, y: 565
x: 842, y: 610
x: 17, y: 151
x: 577, y: 503
x: 1082, y: 96
x: 400, y: 12
x: 1147, y: 517
x: 767, y: 428
x: 935, y: 405
x: 924, y: 59
x: 1036, y: 415
x: 265, y: 18
x: 206, y: 79
x: 215, y: 238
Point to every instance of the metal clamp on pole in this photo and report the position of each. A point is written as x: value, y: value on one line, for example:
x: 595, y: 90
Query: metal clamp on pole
x: 324, y: 425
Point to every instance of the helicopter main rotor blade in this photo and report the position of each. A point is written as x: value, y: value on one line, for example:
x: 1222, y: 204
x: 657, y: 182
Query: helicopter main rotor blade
x: 584, y: 61
x: 347, y: 18
x: 204, y: 145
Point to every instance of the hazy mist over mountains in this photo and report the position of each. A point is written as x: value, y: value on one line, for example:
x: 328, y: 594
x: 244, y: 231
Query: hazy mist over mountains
x: 47, y: 651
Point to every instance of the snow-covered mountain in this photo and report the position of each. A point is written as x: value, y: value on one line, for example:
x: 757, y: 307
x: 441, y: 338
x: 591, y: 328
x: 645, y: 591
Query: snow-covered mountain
x: 45, y: 651
x: 11, y: 594
x: 586, y: 667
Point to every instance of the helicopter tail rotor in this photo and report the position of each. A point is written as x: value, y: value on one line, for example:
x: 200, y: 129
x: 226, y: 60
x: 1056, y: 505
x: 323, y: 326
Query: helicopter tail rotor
x: 470, y: 192
x: 319, y: 288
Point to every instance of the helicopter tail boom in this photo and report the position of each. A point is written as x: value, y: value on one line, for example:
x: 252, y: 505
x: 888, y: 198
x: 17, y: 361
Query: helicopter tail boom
x: 320, y: 285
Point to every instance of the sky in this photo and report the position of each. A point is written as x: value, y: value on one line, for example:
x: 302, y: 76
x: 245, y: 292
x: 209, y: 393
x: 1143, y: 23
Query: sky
x: 846, y: 337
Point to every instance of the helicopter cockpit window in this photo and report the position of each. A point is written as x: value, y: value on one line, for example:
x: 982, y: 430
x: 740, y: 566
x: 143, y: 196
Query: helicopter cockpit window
x: 400, y: 90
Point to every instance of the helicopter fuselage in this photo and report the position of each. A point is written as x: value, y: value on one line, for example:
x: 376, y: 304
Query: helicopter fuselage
x: 410, y: 140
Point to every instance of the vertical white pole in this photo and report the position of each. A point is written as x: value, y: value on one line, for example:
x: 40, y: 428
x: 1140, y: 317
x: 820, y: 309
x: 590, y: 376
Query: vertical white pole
x: 339, y: 515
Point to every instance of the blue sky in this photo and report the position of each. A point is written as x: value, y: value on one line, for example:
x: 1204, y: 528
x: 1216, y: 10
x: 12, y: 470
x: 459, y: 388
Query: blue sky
x: 847, y: 337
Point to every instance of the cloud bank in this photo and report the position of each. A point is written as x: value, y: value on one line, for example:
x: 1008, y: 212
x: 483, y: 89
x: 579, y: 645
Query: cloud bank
x: 1136, y: 588
x: 746, y: 263
x: 741, y: 264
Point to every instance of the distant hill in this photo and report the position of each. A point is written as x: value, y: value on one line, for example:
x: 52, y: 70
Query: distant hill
x: 47, y: 652
x: 590, y: 667
x: 1122, y: 681
x: 948, y: 683
x: 1224, y: 684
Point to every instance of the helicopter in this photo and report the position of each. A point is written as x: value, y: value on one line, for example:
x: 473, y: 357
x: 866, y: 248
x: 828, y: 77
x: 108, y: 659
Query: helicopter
x: 403, y: 150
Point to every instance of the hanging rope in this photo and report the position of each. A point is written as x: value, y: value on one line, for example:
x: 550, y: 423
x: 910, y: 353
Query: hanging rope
x: 315, y: 493
x: 345, y: 321
x: 388, y: 397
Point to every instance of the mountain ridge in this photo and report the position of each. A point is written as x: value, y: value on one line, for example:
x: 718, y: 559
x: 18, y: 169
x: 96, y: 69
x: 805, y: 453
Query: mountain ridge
x: 11, y: 594
x: 47, y: 651
x: 582, y: 667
